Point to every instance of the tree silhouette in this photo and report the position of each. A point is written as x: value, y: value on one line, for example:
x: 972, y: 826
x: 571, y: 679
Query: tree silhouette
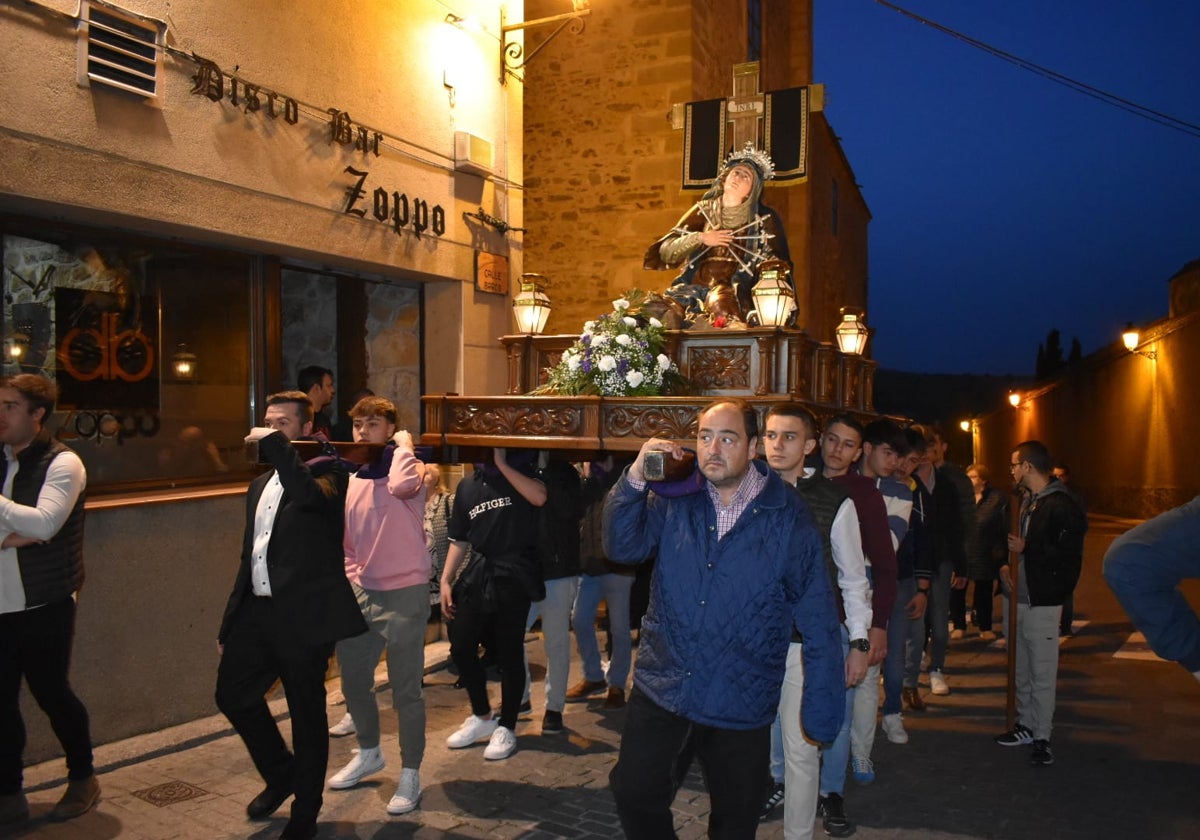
x: 1050, y: 357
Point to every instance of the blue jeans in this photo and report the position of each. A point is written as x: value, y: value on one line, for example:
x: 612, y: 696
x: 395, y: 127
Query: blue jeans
x: 900, y: 633
x: 555, y: 610
x: 1144, y: 567
x: 939, y: 616
x: 614, y: 589
x: 836, y: 759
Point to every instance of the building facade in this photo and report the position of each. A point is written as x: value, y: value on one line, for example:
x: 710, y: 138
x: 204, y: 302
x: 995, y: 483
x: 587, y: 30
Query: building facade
x: 196, y: 201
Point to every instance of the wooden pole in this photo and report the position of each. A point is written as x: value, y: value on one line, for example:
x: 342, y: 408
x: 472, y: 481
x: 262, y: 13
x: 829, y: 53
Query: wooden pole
x: 1011, y: 641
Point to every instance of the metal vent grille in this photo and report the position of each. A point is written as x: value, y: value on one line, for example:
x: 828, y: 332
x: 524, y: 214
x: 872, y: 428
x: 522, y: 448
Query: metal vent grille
x: 120, y: 49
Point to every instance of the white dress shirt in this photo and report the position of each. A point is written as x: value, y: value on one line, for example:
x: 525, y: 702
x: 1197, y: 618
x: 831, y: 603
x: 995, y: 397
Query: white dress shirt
x: 264, y: 524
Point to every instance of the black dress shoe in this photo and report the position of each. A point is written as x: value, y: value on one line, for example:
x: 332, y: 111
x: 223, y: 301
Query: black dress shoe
x: 299, y: 829
x: 267, y: 802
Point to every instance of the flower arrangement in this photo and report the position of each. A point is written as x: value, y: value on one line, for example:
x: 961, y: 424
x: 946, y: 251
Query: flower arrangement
x: 620, y: 354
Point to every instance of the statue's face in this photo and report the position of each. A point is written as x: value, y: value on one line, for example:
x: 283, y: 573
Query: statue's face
x: 738, y: 184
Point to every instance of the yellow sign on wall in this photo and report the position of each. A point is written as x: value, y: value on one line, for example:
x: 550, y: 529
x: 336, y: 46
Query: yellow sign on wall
x: 491, y: 273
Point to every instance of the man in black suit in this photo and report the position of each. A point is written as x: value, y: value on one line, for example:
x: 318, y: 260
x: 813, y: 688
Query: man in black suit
x: 290, y: 603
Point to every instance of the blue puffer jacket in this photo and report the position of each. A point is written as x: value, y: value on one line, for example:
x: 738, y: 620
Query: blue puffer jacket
x: 715, y: 638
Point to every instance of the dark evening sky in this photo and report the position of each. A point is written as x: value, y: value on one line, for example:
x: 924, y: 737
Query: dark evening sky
x: 1004, y: 204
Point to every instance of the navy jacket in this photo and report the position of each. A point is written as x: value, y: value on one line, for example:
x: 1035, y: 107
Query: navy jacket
x: 714, y: 640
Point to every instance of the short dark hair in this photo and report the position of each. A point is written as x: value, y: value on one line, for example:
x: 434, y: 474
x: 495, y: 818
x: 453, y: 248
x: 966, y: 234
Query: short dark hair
x: 749, y: 414
x: 310, y: 376
x: 375, y: 407
x: 38, y: 390
x: 926, y: 432
x: 792, y: 409
x: 915, y: 438
x: 884, y: 432
x: 848, y: 420
x: 1035, y: 453
x: 304, y: 406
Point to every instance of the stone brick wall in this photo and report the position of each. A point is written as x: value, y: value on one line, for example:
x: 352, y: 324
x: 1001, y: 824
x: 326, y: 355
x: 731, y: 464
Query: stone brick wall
x: 837, y: 255
x: 393, y: 337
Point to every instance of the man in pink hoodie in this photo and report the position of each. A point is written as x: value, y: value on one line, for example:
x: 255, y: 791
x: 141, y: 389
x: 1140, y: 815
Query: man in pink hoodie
x: 388, y: 566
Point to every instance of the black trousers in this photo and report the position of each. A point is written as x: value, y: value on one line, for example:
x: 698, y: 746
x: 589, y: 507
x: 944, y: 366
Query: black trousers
x: 656, y: 750
x: 36, y: 644
x: 257, y: 653
x: 503, y: 626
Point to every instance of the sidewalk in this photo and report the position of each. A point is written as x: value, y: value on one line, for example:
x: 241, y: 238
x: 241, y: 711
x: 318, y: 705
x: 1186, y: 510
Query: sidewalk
x: 1126, y: 742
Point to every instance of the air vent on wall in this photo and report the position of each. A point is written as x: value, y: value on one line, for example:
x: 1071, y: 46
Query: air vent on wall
x: 472, y: 154
x: 120, y: 49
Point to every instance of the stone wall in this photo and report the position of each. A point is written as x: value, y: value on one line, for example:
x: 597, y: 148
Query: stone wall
x: 1122, y: 422
x: 393, y: 337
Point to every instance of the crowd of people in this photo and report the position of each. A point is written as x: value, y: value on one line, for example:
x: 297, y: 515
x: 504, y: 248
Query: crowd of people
x: 803, y: 575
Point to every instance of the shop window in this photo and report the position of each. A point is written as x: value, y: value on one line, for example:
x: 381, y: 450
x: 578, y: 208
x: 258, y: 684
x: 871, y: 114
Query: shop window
x: 149, y: 344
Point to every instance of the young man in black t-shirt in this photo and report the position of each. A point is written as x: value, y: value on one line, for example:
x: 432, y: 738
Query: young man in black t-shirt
x: 493, y: 526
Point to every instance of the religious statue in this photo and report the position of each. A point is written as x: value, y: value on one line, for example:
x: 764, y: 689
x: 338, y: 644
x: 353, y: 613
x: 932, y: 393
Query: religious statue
x: 721, y: 241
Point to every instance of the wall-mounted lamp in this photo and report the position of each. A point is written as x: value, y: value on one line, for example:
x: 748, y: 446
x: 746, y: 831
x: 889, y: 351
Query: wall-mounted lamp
x: 1131, y: 338
x: 511, y: 52
x: 531, y: 307
x: 183, y: 363
x: 774, y: 299
x: 852, y: 333
x: 1014, y: 399
x: 965, y: 425
x: 16, y: 347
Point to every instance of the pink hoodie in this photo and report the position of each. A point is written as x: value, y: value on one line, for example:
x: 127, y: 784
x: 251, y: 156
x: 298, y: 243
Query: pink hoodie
x: 385, y: 527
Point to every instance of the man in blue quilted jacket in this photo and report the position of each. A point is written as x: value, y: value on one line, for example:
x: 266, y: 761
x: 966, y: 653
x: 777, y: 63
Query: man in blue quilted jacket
x: 739, y: 561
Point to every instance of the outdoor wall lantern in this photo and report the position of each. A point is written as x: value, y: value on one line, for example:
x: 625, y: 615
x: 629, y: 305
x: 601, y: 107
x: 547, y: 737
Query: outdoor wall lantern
x: 852, y: 333
x: 1014, y: 399
x: 1131, y: 337
x: 774, y: 299
x: 183, y: 363
x: 531, y: 307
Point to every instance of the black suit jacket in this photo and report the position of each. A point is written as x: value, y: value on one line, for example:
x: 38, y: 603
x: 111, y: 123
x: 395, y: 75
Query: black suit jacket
x: 305, y: 561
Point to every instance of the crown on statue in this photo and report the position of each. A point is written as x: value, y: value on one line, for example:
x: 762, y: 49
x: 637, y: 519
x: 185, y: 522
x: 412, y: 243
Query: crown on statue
x: 757, y: 158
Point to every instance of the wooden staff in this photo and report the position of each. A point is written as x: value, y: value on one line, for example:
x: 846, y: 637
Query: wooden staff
x: 1010, y: 708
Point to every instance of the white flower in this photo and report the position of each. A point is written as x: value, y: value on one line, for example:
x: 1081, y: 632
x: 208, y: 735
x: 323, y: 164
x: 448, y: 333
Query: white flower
x: 654, y: 322
x: 600, y: 339
x: 629, y: 322
x: 589, y: 327
x: 624, y: 340
x: 663, y: 361
x: 620, y: 304
x: 635, y: 378
x: 607, y: 363
x: 572, y: 361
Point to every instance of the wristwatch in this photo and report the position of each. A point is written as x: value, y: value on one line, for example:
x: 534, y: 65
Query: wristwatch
x: 861, y: 644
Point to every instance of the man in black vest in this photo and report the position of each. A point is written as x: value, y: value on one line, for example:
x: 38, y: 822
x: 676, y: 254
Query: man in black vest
x: 290, y: 603
x: 791, y: 435
x: 41, y: 569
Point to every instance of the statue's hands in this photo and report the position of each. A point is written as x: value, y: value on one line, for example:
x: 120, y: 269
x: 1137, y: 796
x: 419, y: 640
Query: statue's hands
x: 716, y: 237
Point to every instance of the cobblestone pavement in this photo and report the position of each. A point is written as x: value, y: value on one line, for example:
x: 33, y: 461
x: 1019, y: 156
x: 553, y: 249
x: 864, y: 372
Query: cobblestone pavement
x: 1126, y: 743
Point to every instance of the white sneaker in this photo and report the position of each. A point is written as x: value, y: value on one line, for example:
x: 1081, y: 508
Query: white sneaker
x: 502, y: 745
x: 938, y: 684
x: 473, y: 729
x: 408, y: 793
x: 345, y: 726
x: 366, y: 761
x: 893, y: 728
